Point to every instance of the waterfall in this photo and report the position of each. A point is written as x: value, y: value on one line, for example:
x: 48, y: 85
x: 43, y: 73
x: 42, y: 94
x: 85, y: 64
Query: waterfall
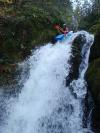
x: 45, y: 104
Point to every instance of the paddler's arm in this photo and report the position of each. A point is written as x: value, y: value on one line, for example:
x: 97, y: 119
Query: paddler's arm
x: 57, y: 27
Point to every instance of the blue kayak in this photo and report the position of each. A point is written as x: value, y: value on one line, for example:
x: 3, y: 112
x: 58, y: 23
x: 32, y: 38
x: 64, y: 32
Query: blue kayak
x: 63, y: 37
x: 59, y: 37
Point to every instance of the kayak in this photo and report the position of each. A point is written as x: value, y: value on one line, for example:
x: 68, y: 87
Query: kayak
x: 63, y: 37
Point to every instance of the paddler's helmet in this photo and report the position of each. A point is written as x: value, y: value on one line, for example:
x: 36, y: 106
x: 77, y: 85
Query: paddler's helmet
x: 64, y: 25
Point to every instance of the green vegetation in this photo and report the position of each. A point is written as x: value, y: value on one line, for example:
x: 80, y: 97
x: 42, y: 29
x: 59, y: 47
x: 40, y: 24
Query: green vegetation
x: 25, y: 25
x: 88, y: 15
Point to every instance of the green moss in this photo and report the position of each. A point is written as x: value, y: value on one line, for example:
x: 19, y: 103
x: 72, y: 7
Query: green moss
x: 95, y: 49
x: 95, y: 28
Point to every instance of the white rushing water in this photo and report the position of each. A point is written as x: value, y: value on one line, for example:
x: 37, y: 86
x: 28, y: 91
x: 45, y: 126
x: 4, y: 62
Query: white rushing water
x: 45, y: 104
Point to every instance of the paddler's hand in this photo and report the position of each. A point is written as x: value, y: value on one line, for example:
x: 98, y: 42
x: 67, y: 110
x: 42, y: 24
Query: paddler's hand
x: 56, y: 26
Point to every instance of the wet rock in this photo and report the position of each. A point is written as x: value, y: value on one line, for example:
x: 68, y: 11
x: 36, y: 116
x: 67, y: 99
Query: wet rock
x: 75, y: 59
x: 93, y: 76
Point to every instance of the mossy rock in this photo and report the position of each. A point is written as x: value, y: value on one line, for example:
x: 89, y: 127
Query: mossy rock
x: 95, y: 28
x: 93, y: 79
x: 8, y: 74
x: 95, y: 49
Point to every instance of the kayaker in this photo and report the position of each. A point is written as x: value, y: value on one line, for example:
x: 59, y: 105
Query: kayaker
x: 63, y: 30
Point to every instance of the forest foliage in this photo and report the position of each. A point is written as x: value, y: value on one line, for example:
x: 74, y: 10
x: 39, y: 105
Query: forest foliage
x: 24, y: 24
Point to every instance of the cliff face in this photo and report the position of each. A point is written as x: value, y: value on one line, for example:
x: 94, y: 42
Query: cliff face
x: 93, y: 76
x: 93, y: 73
